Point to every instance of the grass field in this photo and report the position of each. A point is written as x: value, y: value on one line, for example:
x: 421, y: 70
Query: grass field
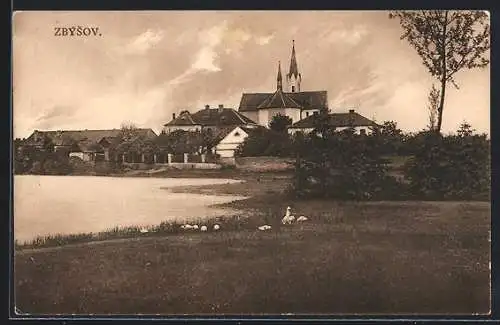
x: 350, y: 257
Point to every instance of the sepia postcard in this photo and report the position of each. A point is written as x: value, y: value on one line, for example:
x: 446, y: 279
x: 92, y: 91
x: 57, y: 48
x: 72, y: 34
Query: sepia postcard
x: 251, y: 163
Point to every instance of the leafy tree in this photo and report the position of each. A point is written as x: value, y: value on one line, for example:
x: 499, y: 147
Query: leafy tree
x: 465, y: 130
x: 264, y: 142
x: 341, y: 165
x: 447, y: 42
x: 388, y: 138
x: 450, y: 167
x: 280, y: 123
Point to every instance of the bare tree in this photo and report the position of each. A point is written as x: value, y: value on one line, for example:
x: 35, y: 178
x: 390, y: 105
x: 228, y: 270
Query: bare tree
x: 433, y: 107
x: 128, y: 130
x: 447, y: 42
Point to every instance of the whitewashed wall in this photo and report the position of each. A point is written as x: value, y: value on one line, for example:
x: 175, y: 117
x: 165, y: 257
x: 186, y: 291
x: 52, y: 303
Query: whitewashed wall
x: 190, y: 128
x: 357, y: 129
x: 227, y: 146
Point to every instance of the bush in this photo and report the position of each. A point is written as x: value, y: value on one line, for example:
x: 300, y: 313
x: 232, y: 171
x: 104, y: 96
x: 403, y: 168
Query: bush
x: 450, y: 167
x: 264, y: 142
x: 342, y: 165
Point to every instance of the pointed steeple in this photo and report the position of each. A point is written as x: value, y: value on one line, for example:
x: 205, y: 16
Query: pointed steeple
x: 294, y: 69
x: 293, y: 77
x: 279, y: 79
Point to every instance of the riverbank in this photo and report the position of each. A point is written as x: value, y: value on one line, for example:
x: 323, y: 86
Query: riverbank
x: 351, y: 257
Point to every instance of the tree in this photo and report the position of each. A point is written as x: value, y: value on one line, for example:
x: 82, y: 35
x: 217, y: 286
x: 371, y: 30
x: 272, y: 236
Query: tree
x: 128, y: 130
x: 465, y: 130
x: 447, y: 42
x: 280, y: 123
x: 433, y: 107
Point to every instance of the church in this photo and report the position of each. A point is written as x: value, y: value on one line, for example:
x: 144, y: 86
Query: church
x: 289, y: 100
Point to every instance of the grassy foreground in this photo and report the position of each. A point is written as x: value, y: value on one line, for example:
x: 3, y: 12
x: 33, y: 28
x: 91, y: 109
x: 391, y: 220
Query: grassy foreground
x: 350, y: 257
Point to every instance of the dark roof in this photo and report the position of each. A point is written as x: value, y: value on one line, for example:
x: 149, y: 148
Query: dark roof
x: 306, y: 99
x: 62, y: 140
x: 211, y: 117
x: 184, y: 119
x: 225, y: 131
x: 337, y: 120
x: 90, y: 135
x: 279, y: 100
x: 90, y: 146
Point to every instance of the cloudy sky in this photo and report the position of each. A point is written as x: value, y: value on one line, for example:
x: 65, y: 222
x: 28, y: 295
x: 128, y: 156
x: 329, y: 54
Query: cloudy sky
x: 147, y: 65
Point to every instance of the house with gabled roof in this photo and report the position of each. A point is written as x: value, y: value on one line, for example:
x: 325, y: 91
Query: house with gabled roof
x: 88, y: 145
x: 339, y: 121
x: 289, y: 100
x: 228, y: 142
x: 212, y: 119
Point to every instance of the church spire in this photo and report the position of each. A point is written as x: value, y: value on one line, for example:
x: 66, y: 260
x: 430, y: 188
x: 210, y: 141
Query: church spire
x: 293, y: 76
x: 294, y: 69
x: 279, y: 79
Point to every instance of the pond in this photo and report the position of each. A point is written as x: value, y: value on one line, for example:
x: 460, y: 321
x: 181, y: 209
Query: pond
x: 74, y: 204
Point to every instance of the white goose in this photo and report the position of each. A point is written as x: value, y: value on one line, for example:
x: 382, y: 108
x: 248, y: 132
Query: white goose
x: 288, y: 218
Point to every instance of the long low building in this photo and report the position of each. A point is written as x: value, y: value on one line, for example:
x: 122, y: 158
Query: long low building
x: 89, y: 145
x: 340, y: 121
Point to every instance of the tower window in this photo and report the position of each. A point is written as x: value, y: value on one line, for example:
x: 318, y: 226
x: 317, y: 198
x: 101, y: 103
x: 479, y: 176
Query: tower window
x: 293, y: 89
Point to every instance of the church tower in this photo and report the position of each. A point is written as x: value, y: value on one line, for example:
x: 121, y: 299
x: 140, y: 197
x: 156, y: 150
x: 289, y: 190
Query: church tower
x: 293, y: 77
x: 279, y: 79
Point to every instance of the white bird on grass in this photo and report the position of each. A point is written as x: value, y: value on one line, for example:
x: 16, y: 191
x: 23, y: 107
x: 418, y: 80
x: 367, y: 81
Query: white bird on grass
x: 203, y: 228
x: 264, y: 227
x: 288, y: 218
x: 216, y: 227
x: 195, y: 227
x: 187, y: 226
x: 302, y: 218
x: 143, y: 230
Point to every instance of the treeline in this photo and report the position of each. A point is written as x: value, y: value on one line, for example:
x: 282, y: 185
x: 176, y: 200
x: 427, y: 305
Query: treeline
x: 345, y: 165
x: 40, y: 161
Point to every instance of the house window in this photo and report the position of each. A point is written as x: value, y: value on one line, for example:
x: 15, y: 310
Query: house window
x: 315, y: 113
x: 307, y: 114
x: 362, y: 131
x: 236, y: 134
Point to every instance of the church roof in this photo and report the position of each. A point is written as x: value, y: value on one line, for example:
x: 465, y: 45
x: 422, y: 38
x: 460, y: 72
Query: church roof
x: 279, y: 100
x: 337, y: 120
x: 307, y: 99
x: 211, y: 116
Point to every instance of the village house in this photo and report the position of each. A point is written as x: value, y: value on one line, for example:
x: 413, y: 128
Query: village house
x: 290, y: 101
x: 226, y: 126
x: 88, y: 145
x: 208, y: 119
x: 228, y: 144
x: 340, y: 121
